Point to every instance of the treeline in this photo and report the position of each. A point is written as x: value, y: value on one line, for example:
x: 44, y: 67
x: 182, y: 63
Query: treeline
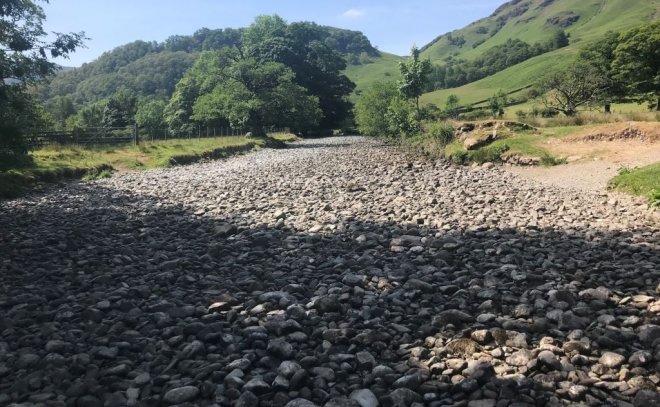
x: 458, y: 72
x: 152, y: 69
x: 271, y: 74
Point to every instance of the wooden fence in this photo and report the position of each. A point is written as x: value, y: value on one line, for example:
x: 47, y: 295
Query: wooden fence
x: 126, y: 135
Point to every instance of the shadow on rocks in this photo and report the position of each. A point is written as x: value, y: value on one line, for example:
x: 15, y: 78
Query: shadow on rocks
x: 123, y: 300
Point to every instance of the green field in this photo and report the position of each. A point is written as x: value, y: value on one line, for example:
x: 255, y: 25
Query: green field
x: 384, y: 68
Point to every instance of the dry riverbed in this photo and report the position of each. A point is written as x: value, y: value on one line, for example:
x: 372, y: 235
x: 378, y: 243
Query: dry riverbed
x: 332, y: 273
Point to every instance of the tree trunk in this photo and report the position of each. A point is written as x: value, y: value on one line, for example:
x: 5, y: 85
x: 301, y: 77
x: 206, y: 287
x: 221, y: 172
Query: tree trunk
x: 657, y: 106
x: 608, y: 108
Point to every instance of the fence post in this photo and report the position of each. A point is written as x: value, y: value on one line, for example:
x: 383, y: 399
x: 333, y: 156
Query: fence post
x: 135, y: 134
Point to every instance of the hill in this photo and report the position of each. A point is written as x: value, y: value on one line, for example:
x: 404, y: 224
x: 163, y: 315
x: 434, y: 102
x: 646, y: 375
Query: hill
x: 532, y: 21
x: 153, y: 69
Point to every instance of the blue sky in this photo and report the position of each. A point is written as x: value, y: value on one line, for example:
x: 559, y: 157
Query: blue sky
x: 392, y: 26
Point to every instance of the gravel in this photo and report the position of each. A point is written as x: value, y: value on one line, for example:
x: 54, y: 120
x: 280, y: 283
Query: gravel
x: 335, y: 272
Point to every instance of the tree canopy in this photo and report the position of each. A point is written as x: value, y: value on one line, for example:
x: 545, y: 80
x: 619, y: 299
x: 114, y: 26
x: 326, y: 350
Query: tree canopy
x: 637, y: 62
x: 414, y: 75
x: 254, y: 95
x: 24, y: 53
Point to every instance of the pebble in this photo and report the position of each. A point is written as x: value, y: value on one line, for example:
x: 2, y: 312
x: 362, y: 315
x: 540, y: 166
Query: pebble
x: 339, y: 271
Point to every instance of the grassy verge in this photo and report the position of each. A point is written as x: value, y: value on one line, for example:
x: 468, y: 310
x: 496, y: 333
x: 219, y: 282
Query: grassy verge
x: 56, y: 163
x: 644, y: 181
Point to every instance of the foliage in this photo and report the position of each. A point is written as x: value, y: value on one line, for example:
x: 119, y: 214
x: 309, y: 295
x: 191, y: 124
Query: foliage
x: 317, y: 67
x: 637, y: 62
x: 414, y: 74
x: 402, y: 117
x: 581, y: 85
x: 371, y: 108
x: 24, y: 53
x: 442, y: 133
x: 497, y: 103
x: 120, y: 109
x: 452, y: 106
x: 600, y: 55
x: 457, y: 72
x: 253, y: 94
x: 150, y: 114
x: 492, y: 153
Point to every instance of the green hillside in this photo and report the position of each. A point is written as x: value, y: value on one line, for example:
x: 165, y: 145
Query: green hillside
x: 532, y: 21
x: 535, y: 20
x: 382, y: 68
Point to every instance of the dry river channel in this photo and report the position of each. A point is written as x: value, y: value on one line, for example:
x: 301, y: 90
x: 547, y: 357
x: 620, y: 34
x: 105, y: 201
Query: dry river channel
x: 336, y: 272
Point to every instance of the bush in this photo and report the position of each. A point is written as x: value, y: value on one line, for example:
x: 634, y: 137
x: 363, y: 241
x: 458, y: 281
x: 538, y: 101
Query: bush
x: 459, y: 157
x: 441, y: 133
x: 654, y: 198
x: 488, y: 154
x: 402, y: 118
x: 549, y: 161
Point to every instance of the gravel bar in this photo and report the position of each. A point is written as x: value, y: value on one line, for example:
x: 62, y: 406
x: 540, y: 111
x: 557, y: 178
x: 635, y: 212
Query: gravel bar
x: 336, y: 272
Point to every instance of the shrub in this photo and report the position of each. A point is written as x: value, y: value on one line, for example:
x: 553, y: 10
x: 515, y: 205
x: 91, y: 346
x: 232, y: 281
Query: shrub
x: 654, y: 198
x: 402, y: 118
x: 521, y: 114
x: 488, y: 154
x: 459, y: 157
x: 549, y: 161
x: 441, y: 133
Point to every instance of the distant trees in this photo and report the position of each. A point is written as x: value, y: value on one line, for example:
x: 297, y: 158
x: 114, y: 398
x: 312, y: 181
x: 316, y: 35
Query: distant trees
x: 150, y: 114
x: 457, y: 72
x: 24, y: 53
x: 278, y: 74
x: 120, y: 109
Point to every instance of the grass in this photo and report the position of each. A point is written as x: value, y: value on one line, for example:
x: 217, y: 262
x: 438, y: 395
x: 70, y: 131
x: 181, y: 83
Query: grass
x: 644, y: 181
x: 54, y: 163
x: 384, y: 68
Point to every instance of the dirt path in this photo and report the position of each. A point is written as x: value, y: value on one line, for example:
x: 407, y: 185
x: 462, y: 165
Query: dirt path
x: 592, y: 164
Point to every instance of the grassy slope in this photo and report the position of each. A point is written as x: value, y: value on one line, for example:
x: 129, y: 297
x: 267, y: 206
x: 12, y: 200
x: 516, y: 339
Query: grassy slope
x: 644, y: 181
x: 596, y: 18
x: 384, y: 68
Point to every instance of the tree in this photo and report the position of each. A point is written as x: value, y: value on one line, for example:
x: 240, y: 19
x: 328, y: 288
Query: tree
x: 637, y: 62
x: 371, y: 108
x: 402, y: 117
x: 452, y: 106
x: 414, y: 74
x: 600, y: 55
x: 24, y: 54
x: 254, y: 95
x: 581, y: 85
x: 149, y: 114
x: 317, y: 67
x: 497, y: 103
x: 120, y: 109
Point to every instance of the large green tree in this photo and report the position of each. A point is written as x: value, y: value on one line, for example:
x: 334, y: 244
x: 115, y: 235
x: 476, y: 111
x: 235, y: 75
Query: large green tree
x: 415, y: 73
x: 254, y: 95
x: 317, y: 67
x: 120, y: 109
x: 637, y: 62
x: 600, y: 55
x: 579, y: 86
x: 24, y: 61
x: 372, y: 107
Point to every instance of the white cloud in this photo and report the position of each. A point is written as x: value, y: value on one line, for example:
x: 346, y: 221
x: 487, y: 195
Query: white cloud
x: 354, y: 13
